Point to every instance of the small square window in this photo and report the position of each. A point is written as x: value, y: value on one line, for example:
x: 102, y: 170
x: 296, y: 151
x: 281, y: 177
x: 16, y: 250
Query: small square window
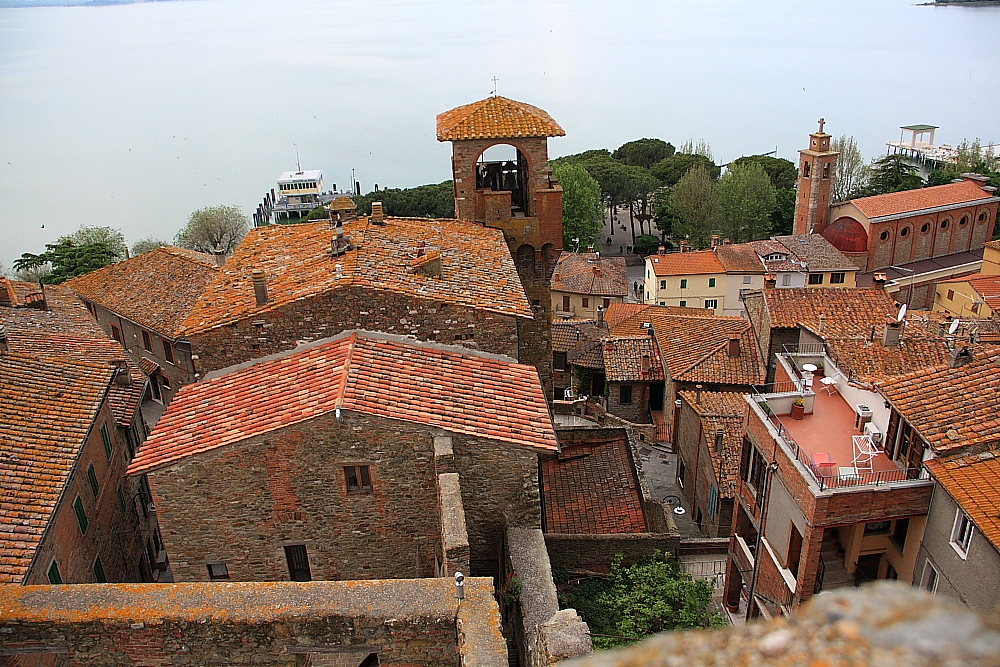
x: 586, y: 302
x: 54, y: 576
x: 92, y: 478
x: 625, y: 394
x: 168, y: 351
x: 747, y: 280
x: 961, y: 533
x: 663, y: 284
x: 218, y: 571
x: 683, y: 304
x: 711, y: 282
x: 99, y: 571
x: 711, y: 303
x: 815, y: 278
x: 684, y: 283
x: 358, y: 479
x: 109, y: 446
x: 837, y: 278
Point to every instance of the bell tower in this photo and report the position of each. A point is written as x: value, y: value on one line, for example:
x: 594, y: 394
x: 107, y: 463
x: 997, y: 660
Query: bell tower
x: 817, y: 167
x: 519, y: 197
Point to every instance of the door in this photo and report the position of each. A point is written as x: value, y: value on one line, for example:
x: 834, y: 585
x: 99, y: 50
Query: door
x: 298, y: 563
x: 656, y: 397
x: 794, y: 550
x: 867, y: 568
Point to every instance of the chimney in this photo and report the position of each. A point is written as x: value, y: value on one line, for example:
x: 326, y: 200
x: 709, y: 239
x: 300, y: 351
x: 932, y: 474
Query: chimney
x: 590, y: 249
x: 727, y: 242
x: 219, y: 255
x: 959, y: 358
x: 720, y: 435
x: 978, y: 179
x: 428, y: 264
x: 893, y: 333
x: 6, y: 292
x: 600, y: 317
x: 609, y: 346
x: 259, y: 286
x: 715, y: 240
x: 122, y: 375
x: 4, y: 345
x: 662, y: 250
x: 684, y: 246
x: 697, y: 394
x: 377, y: 216
x: 597, y: 271
x: 822, y: 322
x: 879, y: 280
x: 734, y: 346
x: 645, y: 364
x: 770, y: 281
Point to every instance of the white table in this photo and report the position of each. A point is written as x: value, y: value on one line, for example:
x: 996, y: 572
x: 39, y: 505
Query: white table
x: 810, y: 368
x: 829, y: 385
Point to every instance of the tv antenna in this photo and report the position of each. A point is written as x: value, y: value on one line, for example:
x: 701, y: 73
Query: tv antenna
x: 494, y: 80
x: 298, y: 165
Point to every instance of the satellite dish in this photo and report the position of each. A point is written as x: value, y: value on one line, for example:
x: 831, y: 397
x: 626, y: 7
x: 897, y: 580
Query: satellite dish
x: 954, y: 326
x: 902, y: 313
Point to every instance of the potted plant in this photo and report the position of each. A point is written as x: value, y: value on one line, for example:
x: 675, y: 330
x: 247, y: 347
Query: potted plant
x: 798, y: 408
x: 819, y: 369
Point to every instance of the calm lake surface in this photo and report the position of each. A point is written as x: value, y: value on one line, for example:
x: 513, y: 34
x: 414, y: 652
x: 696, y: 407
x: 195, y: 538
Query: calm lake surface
x: 135, y: 115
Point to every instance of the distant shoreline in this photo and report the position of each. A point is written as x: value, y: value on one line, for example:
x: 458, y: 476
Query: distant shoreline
x: 960, y: 3
x: 23, y: 4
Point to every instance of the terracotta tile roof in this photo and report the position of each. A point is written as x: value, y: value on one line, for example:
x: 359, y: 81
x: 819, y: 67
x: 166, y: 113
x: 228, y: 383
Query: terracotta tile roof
x: 47, y: 406
x: 67, y: 330
x: 686, y: 263
x: 909, y: 201
x: 626, y: 319
x: 993, y: 244
x: 951, y: 408
x: 496, y: 117
x: 721, y: 411
x: 696, y: 349
x: 581, y: 341
x: 768, y: 247
x: 988, y: 288
x: 871, y: 362
x: 623, y: 360
x: 477, y: 270
x: 156, y: 289
x: 850, y: 313
x: 589, y: 273
x: 740, y: 258
x: 818, y: 253
x: 592, y: 489
x: 974, y: 483
x: 376, y: 374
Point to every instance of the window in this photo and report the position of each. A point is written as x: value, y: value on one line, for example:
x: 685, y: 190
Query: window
x: 684, y: 283
x: 586, y: 302
x: 625, y: 394
x: 147, y: 342
x: 899, y: 534
x: 961, y: 533
x: 164, y: 380
x: 298, y: 563
x: 982, y: 217
x: 713, y: 499
x: 905, y: 231
x: 130, y: 444
x: 109, y: 446
x: 559, y: 361
x: 566, y: 304
x: 944, y: 223
x: 92, y: 478
x: 752, y: 467
x: 81, y: 514
x: 924, y: 228
x: 121, y: 499
x: 681, y: 472
x: 168, y: 351
x: 54, y: 576
x: 218, y: 571
x: 358, y: 479
x: 711, y: 303
x: 805, y: 169
x: 116, y: 333
x: 774, y: 257
x: 663, y: 284
x: 682, y: 304
x: 786, y: 280
x: 145, y: 496
x: 815, y: 278
x: 930, y: 578
x: 826, y: 170
x: 951, y: 295
x: 606, y: 302
x: 964, y: 221
x: 99, y: 571
x: 711, y: 282
x: 878, y: 527
x: 885, y: 235
x: 746, y: 280
x: 837, y: 278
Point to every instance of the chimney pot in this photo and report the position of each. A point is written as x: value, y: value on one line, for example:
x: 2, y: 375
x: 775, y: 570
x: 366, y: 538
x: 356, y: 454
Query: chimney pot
x: 662, y: 250
x: 697, y: 394
x: 734, y: 347
x: 715, y: 240
x: 645, y: 363
x: 590, y: 249
x: 597, y: 272
x: 378, y: 217
x: 727, y: 241
x: 822, y: 322
x: 259, y: 286
x: 684, y: 246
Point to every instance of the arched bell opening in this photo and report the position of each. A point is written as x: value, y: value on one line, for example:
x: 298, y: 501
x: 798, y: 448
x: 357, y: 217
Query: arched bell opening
x: 504, y: 168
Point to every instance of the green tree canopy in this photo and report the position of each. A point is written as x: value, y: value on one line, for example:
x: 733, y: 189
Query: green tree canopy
x: 892, y: 174
x: 782, y: 172
x: 672, y: 169
x: 783, y: 215
x: 583, y: 210
x: 67, y: 260
x: 113, y: 239
x: 851, y: 175
x: 145, y: 245
x: 694, y: 204
x: 643, y: 152
x: 746, y: 199
x: 425, y: 201
x: 214, y: 227
x: 642, y: 599
x: 646, y: 244
x: 586, y: 156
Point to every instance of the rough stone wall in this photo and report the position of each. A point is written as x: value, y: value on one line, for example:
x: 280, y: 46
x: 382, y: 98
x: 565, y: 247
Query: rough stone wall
x: 118, y: 538
x: 638, y: 410
x: 692, y: 447
x: 595, y: 552
x: 354, y: 308
x: 884, y: 624
x: 405, y: 622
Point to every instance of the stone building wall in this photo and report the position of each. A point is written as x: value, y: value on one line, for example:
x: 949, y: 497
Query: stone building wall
x: 242, y: 504
x: 595, y: 552
x: 638, y: 410
x: 354, y: 308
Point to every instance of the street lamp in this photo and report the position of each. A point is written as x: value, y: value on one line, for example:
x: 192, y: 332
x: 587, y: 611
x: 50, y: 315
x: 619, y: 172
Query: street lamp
x: 675, y: 502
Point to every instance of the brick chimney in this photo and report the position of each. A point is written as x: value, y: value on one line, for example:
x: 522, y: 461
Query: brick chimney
x: 377, y: 216
x: 597, y: 271
x: 879, y: 280
x: 259, y: 286
x: 715, y: 240
x: 662, y: 250
x: 645, y: 364
x: 684, y: 246
x: 6, y: 292
x: 770, y: 281
x: 958, y: 358
x: 122, y: 375
x: 428, y: 264
x: 734, y: 346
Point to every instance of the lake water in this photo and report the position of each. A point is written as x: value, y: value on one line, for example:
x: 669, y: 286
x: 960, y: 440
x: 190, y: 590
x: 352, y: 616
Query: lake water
x: 135, y: 115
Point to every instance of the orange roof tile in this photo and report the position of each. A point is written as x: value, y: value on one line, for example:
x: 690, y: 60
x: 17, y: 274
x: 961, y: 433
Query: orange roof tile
x: 686, y: 263
x: 696, y: 349
x: 868, y: 361
x: 592, y: 489
x: 589, y: 273
x: 47, y: 406
x: 909, y: 201
x: 740, y: 258
x: 477, y: 270
x: 156, y: 289
x: 627, y: 319
x: 624, y: 360
x: 849, y: 312
x: 721, y: 411
x: 494, y: 118
x: 974, y: 483
x: 378, y: 374
x: 988, y: 288
x: 951, y: 408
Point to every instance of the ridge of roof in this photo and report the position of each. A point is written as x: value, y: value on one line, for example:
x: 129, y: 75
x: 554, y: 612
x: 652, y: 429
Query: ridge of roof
x: 496, y: 117
x: 911, y: 201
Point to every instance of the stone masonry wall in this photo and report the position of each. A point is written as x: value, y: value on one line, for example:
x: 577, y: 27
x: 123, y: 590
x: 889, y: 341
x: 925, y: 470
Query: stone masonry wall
x: 595, y: 552
x: 354, y: 308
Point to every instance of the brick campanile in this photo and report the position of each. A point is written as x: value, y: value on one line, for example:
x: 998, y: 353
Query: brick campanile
x: 520, y: 197
x: 817, y: 167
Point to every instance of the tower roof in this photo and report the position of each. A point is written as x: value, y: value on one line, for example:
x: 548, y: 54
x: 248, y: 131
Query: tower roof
x: 495, y: 118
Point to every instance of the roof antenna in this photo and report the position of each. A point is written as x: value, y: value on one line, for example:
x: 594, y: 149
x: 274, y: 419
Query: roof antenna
x: 298, y: 165
x: 494, y: 86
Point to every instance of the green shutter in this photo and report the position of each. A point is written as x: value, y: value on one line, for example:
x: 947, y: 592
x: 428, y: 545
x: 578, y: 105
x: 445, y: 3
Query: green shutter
x: 54, y: 576
x: 81, y: 515
x: 92, y: 478
x: 121, y: 499
x: 106, y: 437
x: 99, y: 571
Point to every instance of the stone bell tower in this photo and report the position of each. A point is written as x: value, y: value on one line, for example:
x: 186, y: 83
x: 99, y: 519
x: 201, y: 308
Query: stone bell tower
x: 520, y: 197
x: 817, y: 168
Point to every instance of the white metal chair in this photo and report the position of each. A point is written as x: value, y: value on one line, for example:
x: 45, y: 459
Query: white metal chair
x: 864, y: 451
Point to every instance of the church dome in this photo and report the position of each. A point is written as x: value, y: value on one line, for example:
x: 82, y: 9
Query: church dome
x: 847, y: 235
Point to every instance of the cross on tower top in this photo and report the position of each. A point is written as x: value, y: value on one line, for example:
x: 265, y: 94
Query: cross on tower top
x: 822, y: 122
x: 494, y: 79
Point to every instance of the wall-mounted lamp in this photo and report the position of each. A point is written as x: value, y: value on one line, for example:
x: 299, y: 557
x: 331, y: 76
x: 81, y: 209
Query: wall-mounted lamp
x: 460, y: 585
x: 675, y: 502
